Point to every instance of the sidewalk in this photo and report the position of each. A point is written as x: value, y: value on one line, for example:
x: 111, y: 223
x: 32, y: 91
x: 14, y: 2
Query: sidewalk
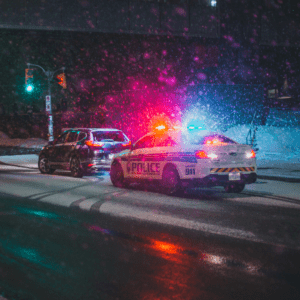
x: 279, y: 169
x: 273, y: 170
x: 26, y: 161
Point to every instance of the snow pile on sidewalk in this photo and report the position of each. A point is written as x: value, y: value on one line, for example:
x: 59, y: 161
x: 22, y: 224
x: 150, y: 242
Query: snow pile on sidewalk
x: 3, y: 136
x: 274, y: 143
x: 35, y: 143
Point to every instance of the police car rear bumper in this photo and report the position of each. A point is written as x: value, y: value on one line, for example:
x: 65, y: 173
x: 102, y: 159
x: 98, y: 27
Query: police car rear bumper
x: 218, y: 180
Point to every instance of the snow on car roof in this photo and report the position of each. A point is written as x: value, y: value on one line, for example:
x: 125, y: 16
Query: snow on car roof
x: 177, y: 133
x: 92, y: 129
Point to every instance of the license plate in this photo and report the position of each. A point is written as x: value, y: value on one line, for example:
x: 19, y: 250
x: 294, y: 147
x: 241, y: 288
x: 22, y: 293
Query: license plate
x: 234, y: 176
x: 110, y: 156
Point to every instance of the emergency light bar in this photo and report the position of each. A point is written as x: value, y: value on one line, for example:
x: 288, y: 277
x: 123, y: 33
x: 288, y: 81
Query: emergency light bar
x: 160, y: 127
x: 194, y: 127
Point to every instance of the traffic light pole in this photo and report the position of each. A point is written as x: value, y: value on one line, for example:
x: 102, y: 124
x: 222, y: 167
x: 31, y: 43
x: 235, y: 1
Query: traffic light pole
x: 49, y: 75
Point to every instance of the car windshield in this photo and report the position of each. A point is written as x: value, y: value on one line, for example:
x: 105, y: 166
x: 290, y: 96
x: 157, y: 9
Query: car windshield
x: 116, y: 136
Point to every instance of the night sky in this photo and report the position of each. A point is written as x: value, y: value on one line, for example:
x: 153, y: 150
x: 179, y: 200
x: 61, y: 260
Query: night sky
x: 144, y: 75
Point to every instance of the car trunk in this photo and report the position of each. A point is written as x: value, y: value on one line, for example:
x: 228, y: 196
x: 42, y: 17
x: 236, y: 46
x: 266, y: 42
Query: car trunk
x: 230, y: 154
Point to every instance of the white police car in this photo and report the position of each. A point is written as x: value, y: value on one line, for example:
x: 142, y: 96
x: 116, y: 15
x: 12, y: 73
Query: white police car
x: 177, y: 160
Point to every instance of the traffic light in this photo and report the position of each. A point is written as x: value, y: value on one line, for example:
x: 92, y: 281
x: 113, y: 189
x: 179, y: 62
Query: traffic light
x: 28, y: 76
x: 61, y: 80
x: 29, y: 88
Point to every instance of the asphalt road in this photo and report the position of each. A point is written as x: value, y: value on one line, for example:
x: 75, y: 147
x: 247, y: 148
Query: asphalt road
x: 99, y: 242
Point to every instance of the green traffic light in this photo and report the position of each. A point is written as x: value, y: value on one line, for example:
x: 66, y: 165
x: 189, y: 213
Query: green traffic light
x: 29, y: 88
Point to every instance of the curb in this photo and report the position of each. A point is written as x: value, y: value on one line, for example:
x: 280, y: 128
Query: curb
x: 19, y: 166
x: 6, y: 151
x: 278, y: 178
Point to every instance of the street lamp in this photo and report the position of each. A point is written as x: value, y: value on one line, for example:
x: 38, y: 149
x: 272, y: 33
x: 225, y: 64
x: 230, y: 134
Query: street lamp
x: 49, y: 75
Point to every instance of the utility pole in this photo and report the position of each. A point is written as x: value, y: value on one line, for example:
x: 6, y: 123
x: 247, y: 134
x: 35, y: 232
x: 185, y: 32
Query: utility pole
x: 49, y: 75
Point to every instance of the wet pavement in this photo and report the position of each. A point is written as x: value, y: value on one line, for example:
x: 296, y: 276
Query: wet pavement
x: 50, y: 252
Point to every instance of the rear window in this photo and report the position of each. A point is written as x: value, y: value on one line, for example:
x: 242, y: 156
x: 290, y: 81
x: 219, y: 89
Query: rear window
x: 116, y: 136
x: 72, y: 137
x: 165, y: 141
x: 210, y: 139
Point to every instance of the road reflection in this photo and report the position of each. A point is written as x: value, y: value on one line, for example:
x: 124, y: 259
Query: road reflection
x: 180, y: 271
x: 69, y: 254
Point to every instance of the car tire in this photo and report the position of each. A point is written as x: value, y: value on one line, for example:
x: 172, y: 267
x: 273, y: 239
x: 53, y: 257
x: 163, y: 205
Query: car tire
x: 234, y: 187
x: 44, y: 166
x: 117, y: 175
x: 170, y: 183
x: 75, y: 167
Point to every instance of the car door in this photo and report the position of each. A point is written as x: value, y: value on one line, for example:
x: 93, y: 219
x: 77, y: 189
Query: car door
x: 55, y: 156
x: 139, y: 165
x: 68, y: 147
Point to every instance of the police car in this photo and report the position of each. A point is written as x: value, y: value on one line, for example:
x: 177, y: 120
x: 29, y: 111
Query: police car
x: 177, y: 159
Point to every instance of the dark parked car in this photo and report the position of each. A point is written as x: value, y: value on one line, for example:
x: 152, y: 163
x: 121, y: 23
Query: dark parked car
x: 83, y: 150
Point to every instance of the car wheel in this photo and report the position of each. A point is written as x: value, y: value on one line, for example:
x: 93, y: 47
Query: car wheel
x: 234, y: 187
x: 117, y: 175
x: 44, y: 166
x: 75, y: 168
x: 170, y: 181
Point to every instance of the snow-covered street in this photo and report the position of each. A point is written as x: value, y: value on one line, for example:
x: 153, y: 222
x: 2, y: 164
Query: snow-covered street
x: 278, y: 155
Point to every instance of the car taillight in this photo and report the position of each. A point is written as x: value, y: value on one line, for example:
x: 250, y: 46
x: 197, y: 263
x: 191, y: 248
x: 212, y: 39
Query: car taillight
x: 201, y: 154
x: 251, y: 154
x: 93, y: 144
x: 127, y: 144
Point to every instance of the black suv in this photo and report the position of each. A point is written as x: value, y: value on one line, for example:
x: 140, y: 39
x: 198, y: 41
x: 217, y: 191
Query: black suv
x: 83, y: 150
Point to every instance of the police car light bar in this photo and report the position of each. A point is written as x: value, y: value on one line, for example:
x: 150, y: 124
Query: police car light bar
x: 194, y: 127
x: 176, y: 127
x: 160, y: 127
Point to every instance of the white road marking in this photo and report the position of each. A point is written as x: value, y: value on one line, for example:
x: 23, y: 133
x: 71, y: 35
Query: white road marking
x: 121, y: 210
x: 65, y: 190
x: 87, y: 204
x: 9, y: 167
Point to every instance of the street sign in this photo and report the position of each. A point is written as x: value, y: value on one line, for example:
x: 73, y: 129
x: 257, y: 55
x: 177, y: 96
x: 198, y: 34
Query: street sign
x: 50, y: 118
x: 50, y: 125
x: 48, y: 104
